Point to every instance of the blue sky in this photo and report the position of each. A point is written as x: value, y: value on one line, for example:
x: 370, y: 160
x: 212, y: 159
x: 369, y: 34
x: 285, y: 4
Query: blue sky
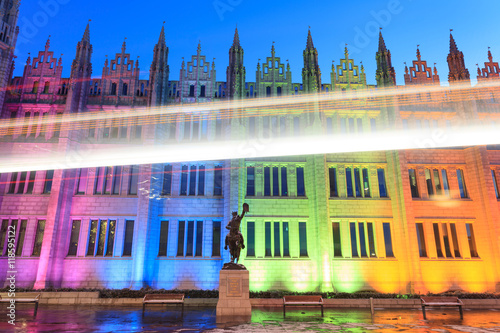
x: 405, y: 23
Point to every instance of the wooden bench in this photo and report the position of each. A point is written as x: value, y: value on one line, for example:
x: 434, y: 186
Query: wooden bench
x: 302, y: 301
x: 441, y: 301
x: 163, y: 299
x: 22, y: 298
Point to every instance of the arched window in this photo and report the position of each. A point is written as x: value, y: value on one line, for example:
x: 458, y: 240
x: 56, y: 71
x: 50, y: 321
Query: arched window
x: 145, y: 92
x: 138, y: 93
x: 296, y: 90
x: 268, y: 91
x: 277, y: 65
x: 142, y: 89
x: 350, y: 66
x: 118, y: 61
x: 191, y: 91
x: 113, y: 66
x: 175, y: 89
x: 41, y: 58
x: 251, y: 91
x: 48, y: 58
x: 190, y: 69
x: 46, y: 88
x: 125, y: 60
x: 279, y: 91
x: 220, y: 90
x: 281, y: 70
x: 99, y: 92
x: 266, y: 71
x: 206, y: 69
x: 128, y: 67
x: 223, y: 94
x: 125, y: 89
x: 355, y: 73
x: 35, y: 87
x: 195, y: 62
x: 113, y: 89
x: 52, y: 65
x: 202, y: 91
x: 64, y: 91
x: 95, y: 88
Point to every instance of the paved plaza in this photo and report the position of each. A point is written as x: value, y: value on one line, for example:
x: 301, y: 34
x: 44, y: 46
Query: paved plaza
x: 127, y: 319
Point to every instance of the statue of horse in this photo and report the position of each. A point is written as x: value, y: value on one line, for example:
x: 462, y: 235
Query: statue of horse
x: 235, y: 239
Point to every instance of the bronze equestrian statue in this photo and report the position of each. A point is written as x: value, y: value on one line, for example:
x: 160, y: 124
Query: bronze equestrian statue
x: 235, y: 239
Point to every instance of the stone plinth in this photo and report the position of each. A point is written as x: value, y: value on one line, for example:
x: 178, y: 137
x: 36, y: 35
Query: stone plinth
x: 234, y: 298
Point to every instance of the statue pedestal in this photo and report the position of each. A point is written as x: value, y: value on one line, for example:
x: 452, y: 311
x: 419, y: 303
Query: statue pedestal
x: 234, y: 300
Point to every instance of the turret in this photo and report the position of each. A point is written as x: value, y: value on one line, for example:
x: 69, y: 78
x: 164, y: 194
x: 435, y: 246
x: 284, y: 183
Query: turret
x: 311, y: 74
x: 236, y: 73
x: 159, y: 73
x: 456, y: 64
x: 385, y: 74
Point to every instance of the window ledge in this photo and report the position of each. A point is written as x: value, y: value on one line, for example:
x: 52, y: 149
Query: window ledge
x: 277, y: 258
x: 367, y: 259
x: 443, y: 199
x: 98, y: 258
x: 359, y: 198
x: 188, y: 258
x: 451, y: 259
x: 275, y: 197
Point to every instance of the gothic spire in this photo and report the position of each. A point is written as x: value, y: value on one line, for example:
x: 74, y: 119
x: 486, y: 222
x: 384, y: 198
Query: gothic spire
x: 47, y: 44
x: 381, y: 42
x: 161, y: 39
x: 453, y: 45
x: 86, y: 34
x: 236, y: 40
x: 490, y: 57
x: 124, y: 46
x: 310, y: 44
x: 419, y: 57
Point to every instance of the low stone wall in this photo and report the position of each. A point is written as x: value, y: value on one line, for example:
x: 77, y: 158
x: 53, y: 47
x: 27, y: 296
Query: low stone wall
x: 92, y: 298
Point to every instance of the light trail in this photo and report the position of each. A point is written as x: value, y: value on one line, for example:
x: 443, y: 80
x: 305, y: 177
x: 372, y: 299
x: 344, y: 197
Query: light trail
x: 115, y: 155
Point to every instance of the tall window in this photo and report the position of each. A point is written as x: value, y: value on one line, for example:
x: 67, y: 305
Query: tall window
x: 267, y: 181
x: 495, y: 183
x: 22, y: 182
x: 117, y: 177
x: 276, y: 182
x: 268, y: 239
x: 284, y: 184
x: 31, y: 182
x: 388, y: 240
x: 48, y: 182
x: 129, y: 236
x: 180, y: 238
x: 82, y: 181
x: 381, y: 182
x: 216, y: 239
x: 192, y: 180
x: 250, y: 239
x: 250, y: 181
x: 286, y: 239
x: 133, y: 180
x: 337, y: 246
x: 20, y: 237
x: 162, y: 252
x: 421, y: 240
x: 167, y: 180
x: 188, y: 245
x: 92, y: 238
x: 413, y: 183
x: 303, y: 239
x: 428, y: 181
x: 184, y: 180
x: 101, y: 237
x: 37, y: 247
x: 218, y: 180
x: 301, y: 189
x: 3, y: 235
x: 461, y: 184
x: 472, y: 240
x: 361, y: 186
x: 110, y: 238
x: 201, y: 180
x: 277, y: 238
x: 12, y: 183
x: 199, y: 239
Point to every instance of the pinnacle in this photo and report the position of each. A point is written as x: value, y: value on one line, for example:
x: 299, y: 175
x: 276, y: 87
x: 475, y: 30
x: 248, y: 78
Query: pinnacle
x: 236, y: 40
x: 161, y: 39
x: 310, y: 44
x: 381, y: 42
x: 86, y: 34
x: 453, y: 45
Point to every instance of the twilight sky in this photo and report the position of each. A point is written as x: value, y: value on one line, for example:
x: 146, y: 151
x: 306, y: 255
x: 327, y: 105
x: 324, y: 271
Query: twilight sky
x: 405, y: 23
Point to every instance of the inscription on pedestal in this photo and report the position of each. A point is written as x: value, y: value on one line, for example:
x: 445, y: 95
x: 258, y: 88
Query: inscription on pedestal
x: 233, y: 287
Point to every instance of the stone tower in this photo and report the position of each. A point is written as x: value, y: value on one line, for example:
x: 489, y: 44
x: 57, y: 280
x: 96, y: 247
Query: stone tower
x: 236, y: 72
x: 81, y: 71
x: 456, y: 64
x: 159, y: 73
x: 311, y: 74
x: 385, y: 74
x: 9, y: 13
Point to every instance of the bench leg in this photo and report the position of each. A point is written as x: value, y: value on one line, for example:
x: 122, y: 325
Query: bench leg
x: 461, y: 312
x: 322, y: 310
x: 423, y: 311
x: 284, y: 310
x: 36, y: 309
x: 182, y: 313
x: 143, y: 307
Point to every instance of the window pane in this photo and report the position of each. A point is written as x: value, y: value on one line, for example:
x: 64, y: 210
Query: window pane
x: 303, y: 239
x: 454, y: 238
x: 362, y: 240
x: 98, y: 180
x: 22, y: 182
x: 495, y: 183
x: 92, y: 237
x: 277, y: 252
x: 421, y: 240
x: 413, y: 183
x: 276, y: 182
x: 162, y: 252
x: 437, y: 240
x: 107, y: 180
x: 73, y: 242
x: 373, y: 125
x: 48, y: 182
x: 360, y: 125
x: 180, y: 239
x: 111, y: 238
x: 446, y: 240
x: 446, y: 186
x: 134, y: 180
x: 428, y: 181
x: 301, y: 189
x: 250, y: 239
x: 129, y: 236
x: 251, y: 181
x: 82, y: 181
x: 117, y: 179
x: 337, y: 246
x: 218, y: 180
x: 354, y: 242
x: 199, y: 238
x: 12, y: 185
x: 284, y: 183
x: 268, y: 238
x: 20, y: 238
x: 216, y: 239
x: 167, y: 180
x: 472, y: 240
x: 192, y: 180
x: 381, y: 183
x: 286, y: 242
x: 437, y: 182
x: 31, y: 182
x: 267, y: 181
x: 357, y: 179
x: 40, y: 229
x: 366, y: 183
x: 333, y: 182
x: 102, y: 237
x: 190, y: 236
x: 371, y: 240
x: 351, y: 125
x: 3, y: 235
x: 184, y: 178
x: 348, y: 179
x: 201, y: 180
x: 461, y: 184
x: 389, y: 253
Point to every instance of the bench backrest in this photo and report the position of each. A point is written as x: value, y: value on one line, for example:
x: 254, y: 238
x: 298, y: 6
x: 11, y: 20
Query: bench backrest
x: 21, y: 295
x: 440, y: 299
x: 308, y: 298
x: 161, y: 297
